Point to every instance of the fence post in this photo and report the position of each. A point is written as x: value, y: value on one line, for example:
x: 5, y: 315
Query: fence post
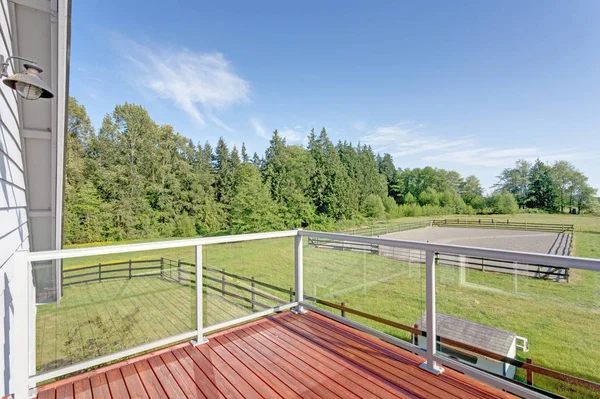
x: 162, y: 267
x: 529, y: 372
x: 130, y: 269
x: 563, y: 228
x: 291, y: 294
x: 299, y: 274
x: 200, y: 339
x: 223, y: 283
x: 99, y: 272
x: 179, y: 271
x: 21, y: 294
x: 252, y: 283
x: 343, y: 311
x: 430, y: 364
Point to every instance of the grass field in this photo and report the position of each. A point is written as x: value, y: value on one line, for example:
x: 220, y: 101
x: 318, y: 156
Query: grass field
x: 561, y: 321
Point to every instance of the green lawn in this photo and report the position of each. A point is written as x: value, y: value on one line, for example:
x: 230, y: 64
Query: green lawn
x: 561, y: 321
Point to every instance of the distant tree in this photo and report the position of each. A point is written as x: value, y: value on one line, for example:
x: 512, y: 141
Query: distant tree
x: 470, y: 190
x: 387, y: 168
x: 252, y: 208
x: 429, y: 197
x: 516, y: 181
x: 245, y: 158
x: 562, y: 175
x: 374, y: 207
x: 503, y: 203
x: 409, y: 199
x: 541, y: 187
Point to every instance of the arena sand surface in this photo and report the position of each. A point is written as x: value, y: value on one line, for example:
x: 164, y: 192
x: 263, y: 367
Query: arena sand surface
x: 514, y: 240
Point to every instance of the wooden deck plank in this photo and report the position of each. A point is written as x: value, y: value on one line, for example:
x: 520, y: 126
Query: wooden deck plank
x: 166, y: 379
x: 99, y: 386
x: 202, y: 381
x: 151, y: 384
x: 282, y: 356
x: 313, y: 369
x: 331, y: 369
x: 452, y: 377
x: 411, y: 378
x: 279, y: 372
x: 321, y: 385
x: 83, y: 389
x: 251, y: 373
x: 363, y: 377
x: 47, y: 394
x: 212, y: 373
x: 116, y: 384
x: 133, y: 382
x: 402, y: 364
x: 268, y: 376
x: 248, y: 391
x: 185, y: 382
x: 65, y: 392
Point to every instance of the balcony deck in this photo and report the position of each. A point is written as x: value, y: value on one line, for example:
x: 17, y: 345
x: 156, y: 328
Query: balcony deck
x: 283, y: 356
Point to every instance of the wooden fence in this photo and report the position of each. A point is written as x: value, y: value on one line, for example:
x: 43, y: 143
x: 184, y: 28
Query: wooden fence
x: 560, y: 274
x: 379, y: 230
x: 505, y: 224
x: 221, y: 281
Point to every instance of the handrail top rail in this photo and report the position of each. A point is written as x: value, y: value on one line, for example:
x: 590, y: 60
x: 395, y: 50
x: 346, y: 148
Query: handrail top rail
x: 514, y: 256
x: 502, y: 254
x: 148, y: 246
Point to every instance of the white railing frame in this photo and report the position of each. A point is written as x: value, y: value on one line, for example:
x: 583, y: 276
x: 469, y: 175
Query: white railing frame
x: 24, y: 308
x: 25, y: 305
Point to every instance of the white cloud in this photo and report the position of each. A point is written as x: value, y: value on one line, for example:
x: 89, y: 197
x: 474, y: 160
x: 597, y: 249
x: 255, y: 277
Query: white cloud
x: 359, y: 125
x: 259, y: 128
x: 198, y: 83
x: 291, y: 136
x: 406, y: 139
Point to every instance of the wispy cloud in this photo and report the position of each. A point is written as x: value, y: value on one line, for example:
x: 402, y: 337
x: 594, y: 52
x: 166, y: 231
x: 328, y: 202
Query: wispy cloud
x: 259, y: 128
x: 408, y: 139
x: 292, y: 135
x: 198, y: 83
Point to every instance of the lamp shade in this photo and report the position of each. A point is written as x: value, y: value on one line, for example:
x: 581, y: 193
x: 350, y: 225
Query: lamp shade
x: 28, y: 84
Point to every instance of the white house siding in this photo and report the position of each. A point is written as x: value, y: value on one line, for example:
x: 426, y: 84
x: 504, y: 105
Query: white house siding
x: 13, y: 218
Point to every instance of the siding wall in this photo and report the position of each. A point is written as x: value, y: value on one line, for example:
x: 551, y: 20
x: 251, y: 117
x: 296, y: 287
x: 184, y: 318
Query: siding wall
x: 13, y: 218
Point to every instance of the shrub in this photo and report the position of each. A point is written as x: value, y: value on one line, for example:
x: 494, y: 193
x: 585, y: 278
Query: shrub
x: 374, y: 207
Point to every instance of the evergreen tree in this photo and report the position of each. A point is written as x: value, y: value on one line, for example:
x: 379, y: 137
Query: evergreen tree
x: 252, y: 208
x: 541, y: 187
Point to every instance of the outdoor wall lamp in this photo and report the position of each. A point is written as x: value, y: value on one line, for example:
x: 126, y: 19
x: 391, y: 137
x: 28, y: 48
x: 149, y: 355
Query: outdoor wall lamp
x: 28, y: 84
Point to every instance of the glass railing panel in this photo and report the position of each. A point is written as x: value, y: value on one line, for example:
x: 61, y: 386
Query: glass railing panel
x: 110, y: 303
x: 534, y: 313
x: 381, y: 281
x: 246, y: 277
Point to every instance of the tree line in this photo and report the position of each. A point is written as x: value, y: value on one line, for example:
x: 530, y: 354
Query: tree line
x: 553, y: 188
x: 134, y: 178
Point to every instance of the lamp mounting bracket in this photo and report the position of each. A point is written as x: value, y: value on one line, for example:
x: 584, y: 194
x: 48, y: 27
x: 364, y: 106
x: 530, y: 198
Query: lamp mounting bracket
x: 4, y: 63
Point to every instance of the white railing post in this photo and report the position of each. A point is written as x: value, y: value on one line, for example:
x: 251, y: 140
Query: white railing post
x: 299, y: 274
x: 430, y: 364
x: 200, y: 339
x: 21, y: 328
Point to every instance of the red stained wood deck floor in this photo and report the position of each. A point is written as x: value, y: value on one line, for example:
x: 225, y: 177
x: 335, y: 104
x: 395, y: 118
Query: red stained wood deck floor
x: 284, y: 356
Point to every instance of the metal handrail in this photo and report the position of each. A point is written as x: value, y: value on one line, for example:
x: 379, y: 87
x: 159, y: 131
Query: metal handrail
x: 501, y: 254
x: 26, y: 362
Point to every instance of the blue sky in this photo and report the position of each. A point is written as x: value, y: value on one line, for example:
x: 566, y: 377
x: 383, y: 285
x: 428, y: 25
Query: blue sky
x: 471, y: 86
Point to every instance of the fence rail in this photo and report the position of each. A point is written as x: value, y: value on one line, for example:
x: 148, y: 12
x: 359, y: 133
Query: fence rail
x: 505, y: 224
x: 182, y: 273
x: 560, y: 274
x: 373, y: 231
